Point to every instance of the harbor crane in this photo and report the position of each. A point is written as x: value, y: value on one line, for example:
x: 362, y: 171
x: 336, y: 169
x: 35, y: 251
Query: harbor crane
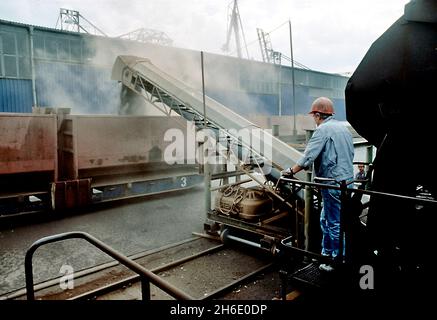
x: 235, y: 25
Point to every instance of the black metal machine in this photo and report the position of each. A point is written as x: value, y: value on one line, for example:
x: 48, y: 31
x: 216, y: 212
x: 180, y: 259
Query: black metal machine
x: 390, y: 101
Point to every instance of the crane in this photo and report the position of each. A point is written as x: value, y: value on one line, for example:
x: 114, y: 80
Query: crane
x: 72, y: 20
x: 235, y: 25
x: 148, y: 36
x: 267, y: 53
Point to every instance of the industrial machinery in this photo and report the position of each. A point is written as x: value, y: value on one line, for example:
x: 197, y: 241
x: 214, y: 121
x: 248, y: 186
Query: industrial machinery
x: 389, y: 101
x: 232, y: 149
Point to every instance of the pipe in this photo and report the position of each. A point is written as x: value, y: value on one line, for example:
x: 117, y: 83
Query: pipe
x: 280, y: 90
x: 146, y: 275
x: 227, y: 174
x: 292, y: 74
x: 206, y: 167
x: 308, y: 195
x: 241, y: 240
x: 32, y: 65
x: 231, y: 184
x: 368, y: 192
x: 203, y: 90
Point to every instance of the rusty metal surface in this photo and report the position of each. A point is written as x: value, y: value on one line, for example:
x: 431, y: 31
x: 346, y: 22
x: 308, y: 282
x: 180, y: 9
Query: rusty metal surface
x: 27, y: 143
x: 71, y: 194
x: 125, y: 151
x: 112, y: 141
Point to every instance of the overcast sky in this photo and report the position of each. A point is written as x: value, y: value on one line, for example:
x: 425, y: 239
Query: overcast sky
x: 328, y: 35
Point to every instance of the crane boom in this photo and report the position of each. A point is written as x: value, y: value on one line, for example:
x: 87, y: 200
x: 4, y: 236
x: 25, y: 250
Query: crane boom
x: 235, y: 25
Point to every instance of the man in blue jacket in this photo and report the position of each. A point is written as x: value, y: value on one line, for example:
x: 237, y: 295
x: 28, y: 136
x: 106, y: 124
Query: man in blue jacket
x: 331, y: 150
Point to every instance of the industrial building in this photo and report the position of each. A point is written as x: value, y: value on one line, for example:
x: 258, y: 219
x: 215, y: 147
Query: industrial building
x: 47, y: 67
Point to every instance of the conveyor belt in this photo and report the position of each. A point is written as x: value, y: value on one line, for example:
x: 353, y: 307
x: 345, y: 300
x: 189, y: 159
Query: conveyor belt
x: 167, y: 93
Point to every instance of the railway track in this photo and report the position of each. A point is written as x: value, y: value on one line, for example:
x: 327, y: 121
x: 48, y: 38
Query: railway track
x: 202, y: 267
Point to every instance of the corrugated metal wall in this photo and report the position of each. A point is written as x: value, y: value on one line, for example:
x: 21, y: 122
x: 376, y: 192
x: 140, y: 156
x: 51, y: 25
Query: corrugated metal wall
x: 246, y: 104
x: 15, y: 95
x: 252, y: 88
x: 83, y: 88
x: 73, y: 71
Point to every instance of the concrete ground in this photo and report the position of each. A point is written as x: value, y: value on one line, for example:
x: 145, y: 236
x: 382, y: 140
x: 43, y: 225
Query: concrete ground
x: 129, y: 226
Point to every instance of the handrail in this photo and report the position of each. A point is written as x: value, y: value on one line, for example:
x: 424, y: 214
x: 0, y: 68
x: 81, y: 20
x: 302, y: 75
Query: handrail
x: 361, y: 191
x: 145, y: 275
x: 343, y: 187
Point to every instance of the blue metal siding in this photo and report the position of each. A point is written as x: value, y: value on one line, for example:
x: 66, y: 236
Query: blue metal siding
x: 83, y: 88
x: 15, y: 95
x: 65, y: 79
x: 340, y: 109
x: 303, y: 101
x: 246, y: 103
x: 250, y: 87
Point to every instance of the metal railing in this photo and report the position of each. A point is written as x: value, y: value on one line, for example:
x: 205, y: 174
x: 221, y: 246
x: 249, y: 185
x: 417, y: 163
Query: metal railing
x: 146, y: 276
x: 348, y: 258
x: 346, y: 191
x: 361, y: 191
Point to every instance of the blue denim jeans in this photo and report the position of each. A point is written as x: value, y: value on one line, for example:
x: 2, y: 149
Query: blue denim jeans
x: 330, y: 222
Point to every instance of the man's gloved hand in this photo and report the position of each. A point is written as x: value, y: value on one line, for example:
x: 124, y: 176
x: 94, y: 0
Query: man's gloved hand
x: 287, y: 173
